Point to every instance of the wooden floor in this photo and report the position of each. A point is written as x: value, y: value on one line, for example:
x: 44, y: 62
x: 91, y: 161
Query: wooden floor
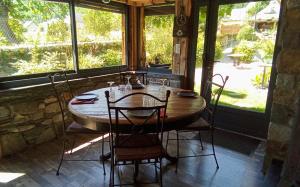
x: 240, y: 159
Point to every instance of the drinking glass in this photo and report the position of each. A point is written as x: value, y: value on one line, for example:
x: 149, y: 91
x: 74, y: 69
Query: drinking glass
x: 128, y: 86
x: 163, y: 89
x: 111, y: 91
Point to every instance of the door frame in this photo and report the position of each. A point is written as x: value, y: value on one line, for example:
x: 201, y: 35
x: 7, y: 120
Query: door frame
x: 242, y: 121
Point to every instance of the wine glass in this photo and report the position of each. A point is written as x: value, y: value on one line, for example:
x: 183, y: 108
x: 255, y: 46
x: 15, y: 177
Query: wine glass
x: 111, y: 91
x: 163, y: 89
x: 128, y: 86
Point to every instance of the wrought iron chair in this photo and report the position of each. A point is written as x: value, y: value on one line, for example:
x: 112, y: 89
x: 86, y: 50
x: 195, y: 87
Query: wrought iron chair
x: 141, y: 141
x: 64, y: 94
x: 206, y: 121
x: 141, y: 75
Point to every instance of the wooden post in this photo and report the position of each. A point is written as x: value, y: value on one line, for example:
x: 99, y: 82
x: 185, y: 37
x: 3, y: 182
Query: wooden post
x: 179, y: 65
x: 133, y: 44
x: 142, y: 39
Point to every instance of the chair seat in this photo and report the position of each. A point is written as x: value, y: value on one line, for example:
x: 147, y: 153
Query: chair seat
x: 138, y: 147
x: 75, y: 127
x: 200, y: 124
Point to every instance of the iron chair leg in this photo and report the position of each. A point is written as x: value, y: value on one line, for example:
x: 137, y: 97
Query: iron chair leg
x: 201, y: 141
x: 62, y: 157
x: 102, y: 153
x: 136, y: 170
x: 213, y: 147
x: 112, y: 173
x: 177, y: 137
x: 155, y: 167
x: 167, y: 141
x: 160, y: 173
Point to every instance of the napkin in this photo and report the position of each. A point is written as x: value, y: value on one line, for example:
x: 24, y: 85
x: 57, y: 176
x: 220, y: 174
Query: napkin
x: 162, y: 110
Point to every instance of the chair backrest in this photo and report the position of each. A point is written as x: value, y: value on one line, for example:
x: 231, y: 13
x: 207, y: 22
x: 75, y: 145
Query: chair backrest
x: 141, y: 75
x: 63, y: 93
x: 212, y: 93
x: 151, y: 122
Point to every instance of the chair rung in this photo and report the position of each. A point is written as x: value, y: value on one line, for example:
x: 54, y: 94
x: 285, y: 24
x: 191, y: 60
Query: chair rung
x: 124, y: 164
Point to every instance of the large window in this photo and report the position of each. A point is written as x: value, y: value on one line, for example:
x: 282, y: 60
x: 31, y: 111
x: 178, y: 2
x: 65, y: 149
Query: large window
x: 99, y: 35
x: 35, y: 37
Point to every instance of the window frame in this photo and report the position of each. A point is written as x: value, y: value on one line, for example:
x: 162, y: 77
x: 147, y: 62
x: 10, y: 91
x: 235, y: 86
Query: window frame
x: 41, y: 78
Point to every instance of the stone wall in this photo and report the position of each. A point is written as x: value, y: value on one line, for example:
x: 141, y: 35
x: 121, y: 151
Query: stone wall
x: 287, y: 88
x: 31, y: 115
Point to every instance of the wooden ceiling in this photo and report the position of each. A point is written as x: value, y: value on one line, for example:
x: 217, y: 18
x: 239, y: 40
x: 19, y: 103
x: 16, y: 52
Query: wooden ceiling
x: 145, y: 2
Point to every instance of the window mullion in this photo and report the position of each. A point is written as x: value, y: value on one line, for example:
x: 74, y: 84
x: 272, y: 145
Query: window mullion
x: 74, y: 37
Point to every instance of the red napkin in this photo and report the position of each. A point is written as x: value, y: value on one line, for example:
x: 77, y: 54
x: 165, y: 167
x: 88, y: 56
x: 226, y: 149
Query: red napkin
x: 162, y: 110
x: 79, y: 102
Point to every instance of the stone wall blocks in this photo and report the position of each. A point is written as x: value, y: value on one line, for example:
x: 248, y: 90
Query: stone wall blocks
x: 21, y: 128
x: 37, y: 116
x: 18, y: 118
x: 286, y: 81
x: 292, y: 40
x: 280, y: 133
x: 42, y: 106
x: 50, y: 99
x: 25, y: 108
x: 52, y: 108
x: 289, y: 62
x: 5, y: 113
x: 46, y: 135
x: 293, y: 16
x: 284, y: 97
x: 47, y: 122
x: 293, y: 4
x: 281, y: 114
x: 12, y: 142
x: 57, y: 118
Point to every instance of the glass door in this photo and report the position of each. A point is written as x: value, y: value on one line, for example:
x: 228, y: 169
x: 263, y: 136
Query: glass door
x: 244, y: 48
x: 239, y: 42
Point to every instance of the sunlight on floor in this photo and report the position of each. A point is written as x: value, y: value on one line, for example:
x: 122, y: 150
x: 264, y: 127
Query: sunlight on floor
x: 6, y: 177
x: 87, y: 144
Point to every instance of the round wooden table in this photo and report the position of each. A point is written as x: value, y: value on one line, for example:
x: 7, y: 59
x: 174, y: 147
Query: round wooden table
x: 180, y: 110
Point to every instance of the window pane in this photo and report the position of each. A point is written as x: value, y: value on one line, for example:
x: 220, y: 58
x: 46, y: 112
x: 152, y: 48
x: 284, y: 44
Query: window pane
x: 35, y: 37
x: 99, y: 35
x: 159, y: 40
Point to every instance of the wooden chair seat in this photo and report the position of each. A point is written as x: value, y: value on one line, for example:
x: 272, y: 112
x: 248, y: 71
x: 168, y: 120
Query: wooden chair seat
x: 138, y: 147
x: 142, y: 153
x: 77, y: 128
x: 200, y: 124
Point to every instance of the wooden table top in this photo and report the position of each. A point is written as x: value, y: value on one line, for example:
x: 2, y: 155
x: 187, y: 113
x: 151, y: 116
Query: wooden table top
x: 179, y: 110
